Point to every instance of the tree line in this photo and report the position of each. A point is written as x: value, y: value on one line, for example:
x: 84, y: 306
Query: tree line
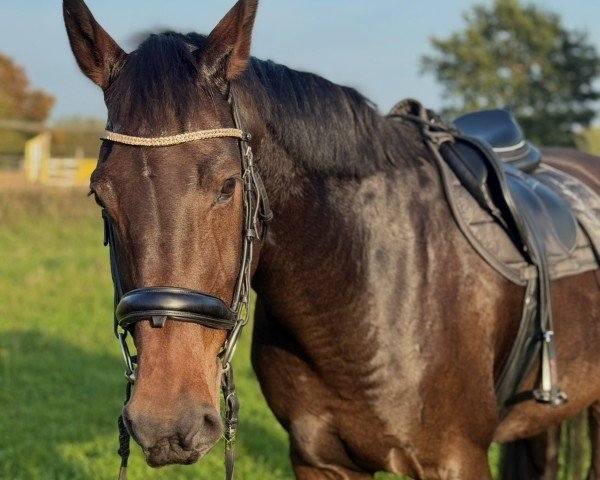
x: 520, y: 57
x: 24, y: 110
x: 508, y: 55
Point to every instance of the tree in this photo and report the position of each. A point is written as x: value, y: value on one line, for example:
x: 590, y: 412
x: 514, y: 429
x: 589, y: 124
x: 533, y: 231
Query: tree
x: 19, y: 102
x: 522, y: 58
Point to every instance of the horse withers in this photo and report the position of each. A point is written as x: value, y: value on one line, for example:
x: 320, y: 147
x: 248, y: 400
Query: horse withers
x: 378, y: 331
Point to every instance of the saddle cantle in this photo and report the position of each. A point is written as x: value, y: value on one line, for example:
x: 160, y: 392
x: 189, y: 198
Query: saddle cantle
x: 529, y: 221
x: 500, y: 129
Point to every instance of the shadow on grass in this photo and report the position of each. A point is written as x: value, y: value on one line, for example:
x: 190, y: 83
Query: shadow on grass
x: 59, y: 405
x: 264, y: 446
x: 53, y: 394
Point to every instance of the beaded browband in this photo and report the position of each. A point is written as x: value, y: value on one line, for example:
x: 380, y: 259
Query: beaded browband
x: 174, y: 139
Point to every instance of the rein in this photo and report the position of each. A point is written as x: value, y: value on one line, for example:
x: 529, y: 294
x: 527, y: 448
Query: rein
x: 159, y: 304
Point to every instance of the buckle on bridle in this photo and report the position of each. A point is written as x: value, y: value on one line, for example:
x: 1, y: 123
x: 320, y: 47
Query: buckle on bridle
x: 130, y: 360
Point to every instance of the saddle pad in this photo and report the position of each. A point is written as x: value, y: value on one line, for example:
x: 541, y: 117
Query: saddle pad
x: 584, y: 202
x: 492, y: 242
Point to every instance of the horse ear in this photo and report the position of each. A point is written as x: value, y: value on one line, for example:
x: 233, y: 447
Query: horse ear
x: 97, y: 54
x: 228, y: 50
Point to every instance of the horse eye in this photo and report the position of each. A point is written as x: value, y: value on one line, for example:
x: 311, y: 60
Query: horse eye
x: 228, y: 189
x: 97, y: 199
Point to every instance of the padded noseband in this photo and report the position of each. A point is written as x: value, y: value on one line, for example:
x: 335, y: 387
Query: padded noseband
x: 159, y: 303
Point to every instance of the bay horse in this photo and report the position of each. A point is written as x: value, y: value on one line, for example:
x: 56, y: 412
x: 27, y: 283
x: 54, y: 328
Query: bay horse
x: 378, y: 329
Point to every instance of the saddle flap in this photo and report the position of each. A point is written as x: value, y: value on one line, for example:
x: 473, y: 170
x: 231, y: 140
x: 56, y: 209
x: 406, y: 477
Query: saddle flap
x: 549, y: 215
x: 550, y: 220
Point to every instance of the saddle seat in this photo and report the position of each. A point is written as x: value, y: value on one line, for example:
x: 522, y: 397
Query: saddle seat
x: 501, y: 171
x: 500, y: 129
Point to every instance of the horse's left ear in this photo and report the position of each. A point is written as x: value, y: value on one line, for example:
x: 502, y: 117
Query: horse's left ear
x: 228, y: 50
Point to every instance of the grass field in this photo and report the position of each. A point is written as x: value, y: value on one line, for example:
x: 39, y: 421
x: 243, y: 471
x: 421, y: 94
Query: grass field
x: 61, y: 373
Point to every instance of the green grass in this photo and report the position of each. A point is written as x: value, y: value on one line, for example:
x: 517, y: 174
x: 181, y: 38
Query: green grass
x: 61, y: 373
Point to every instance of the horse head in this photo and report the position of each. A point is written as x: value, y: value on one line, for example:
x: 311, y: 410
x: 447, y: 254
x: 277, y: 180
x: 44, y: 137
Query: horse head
x: 176, y: 212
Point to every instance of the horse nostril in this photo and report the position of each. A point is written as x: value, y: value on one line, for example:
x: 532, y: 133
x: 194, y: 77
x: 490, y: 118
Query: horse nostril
x: 194, y: 431
x: 212, y: 421
x: 201, y: 429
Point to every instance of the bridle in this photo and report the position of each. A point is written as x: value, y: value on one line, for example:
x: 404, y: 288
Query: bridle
x: 159, y: 304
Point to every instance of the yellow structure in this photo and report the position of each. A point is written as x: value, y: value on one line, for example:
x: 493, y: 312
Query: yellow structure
x: 41, y: 168
x: 37, y: 153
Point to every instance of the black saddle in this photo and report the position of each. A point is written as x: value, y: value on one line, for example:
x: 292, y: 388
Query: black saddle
x: 550, y: 217
x: 489, y: 157
x: 501, y: 130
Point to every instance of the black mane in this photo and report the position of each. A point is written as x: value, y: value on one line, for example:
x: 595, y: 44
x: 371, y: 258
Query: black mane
x: 325, y: 127
x: 328, y: 128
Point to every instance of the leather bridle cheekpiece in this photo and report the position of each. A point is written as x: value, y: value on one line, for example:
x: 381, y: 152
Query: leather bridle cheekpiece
x: 162, y: 303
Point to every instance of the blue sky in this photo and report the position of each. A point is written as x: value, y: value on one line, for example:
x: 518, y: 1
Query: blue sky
x: 373, y: 45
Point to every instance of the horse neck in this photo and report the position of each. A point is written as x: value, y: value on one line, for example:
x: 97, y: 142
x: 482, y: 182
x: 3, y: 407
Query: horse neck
x: 325, y: 216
